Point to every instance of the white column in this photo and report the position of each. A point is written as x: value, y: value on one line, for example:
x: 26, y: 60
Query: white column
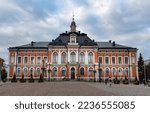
x: 86, y: 57
x: 130, y: 72
x: 68, y: 56
x: 59, y: 57
x: 77, y: 54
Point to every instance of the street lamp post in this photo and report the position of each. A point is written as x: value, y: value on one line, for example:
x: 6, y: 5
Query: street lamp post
x: 49, y: 70
x: 43, y: 68
x: 99, y: 71
x: 144, y: 73
x: 17, y: 61
x: 79, y: 71
x: 94, y: 73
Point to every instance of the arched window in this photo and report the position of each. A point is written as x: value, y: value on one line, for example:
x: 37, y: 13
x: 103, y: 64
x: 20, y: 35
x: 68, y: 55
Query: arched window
x: 54, y: 71
x: 82, y: 57
x: 82, y: 71
x: 63, y: 57
x: 113, y: 71
x: 120, y: 71
x: 90, y: 71
x: 31, y: 71
x: 18, y: 71
x: 90, y: 57
x: 73, y: 57
x: 63, y: 71
x: 126, y: 72
x: 107, y: 71
x: 25, y: 71
x: 55, y: 57
x: 38, y: 72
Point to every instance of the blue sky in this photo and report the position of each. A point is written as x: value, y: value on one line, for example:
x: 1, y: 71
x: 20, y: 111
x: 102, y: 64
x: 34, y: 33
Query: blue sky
x: 125, y: 21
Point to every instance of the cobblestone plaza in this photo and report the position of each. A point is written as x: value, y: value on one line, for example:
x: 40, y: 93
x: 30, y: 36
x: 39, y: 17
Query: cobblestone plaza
x: 72, y: 88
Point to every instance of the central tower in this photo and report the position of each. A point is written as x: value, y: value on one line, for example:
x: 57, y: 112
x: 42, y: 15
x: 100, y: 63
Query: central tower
x: 73, y: 26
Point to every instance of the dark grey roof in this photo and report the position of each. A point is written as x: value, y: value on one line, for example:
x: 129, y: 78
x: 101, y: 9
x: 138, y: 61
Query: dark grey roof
x: 82, y: 39
x: 112, y: 45
x: 32, y: 45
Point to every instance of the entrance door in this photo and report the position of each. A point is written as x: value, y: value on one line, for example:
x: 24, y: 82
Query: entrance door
x: 72, y: 73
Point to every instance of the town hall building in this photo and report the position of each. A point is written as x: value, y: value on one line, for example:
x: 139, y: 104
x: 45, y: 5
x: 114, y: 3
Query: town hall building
x: 73, y: 55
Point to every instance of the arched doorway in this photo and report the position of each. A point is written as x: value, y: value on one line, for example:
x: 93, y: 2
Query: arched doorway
x: 72, y: 73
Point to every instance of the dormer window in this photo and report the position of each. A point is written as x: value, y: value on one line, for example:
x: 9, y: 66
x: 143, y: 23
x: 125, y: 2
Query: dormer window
x: 73, y: 39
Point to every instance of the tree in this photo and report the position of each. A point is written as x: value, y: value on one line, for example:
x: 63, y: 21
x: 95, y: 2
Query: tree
x: 4, y: 75
x: 141, y: 68
x: 148, y: 71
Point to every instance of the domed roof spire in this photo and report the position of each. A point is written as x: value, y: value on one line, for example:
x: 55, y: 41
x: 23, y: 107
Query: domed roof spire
x: 73, y: 25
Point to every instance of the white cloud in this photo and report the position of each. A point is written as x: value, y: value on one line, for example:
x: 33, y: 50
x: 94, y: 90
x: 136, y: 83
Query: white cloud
x: 124, y: 21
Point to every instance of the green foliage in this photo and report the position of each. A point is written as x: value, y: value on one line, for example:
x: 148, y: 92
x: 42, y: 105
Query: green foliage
x: 14, y: 78
x: 22, y: 80
x: 148, y: 71
x: 125, y: 81
x: 136, y: 82
x: 116, y: 81
x: 141, y: 68
x: 31, y: 80
x: 4, y: 75
x: 41, y: 78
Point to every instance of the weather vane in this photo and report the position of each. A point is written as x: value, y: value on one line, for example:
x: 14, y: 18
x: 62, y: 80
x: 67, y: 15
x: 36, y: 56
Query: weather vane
x: 73, y: 16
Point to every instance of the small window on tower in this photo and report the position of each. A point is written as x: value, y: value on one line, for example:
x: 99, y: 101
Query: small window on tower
x: 72, y: 39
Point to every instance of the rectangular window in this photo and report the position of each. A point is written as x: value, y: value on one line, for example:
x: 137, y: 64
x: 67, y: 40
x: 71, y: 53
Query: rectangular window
x: 12, y: 59
x: 38, y: 60
x: 126, y: 60
x: 100, y: 60
x: 45, y: 59
x: 19, y: 60
x: 133, y: 59
x: 25, y: 60
x: 113, y: 60
x: 72, y: 39
x: 119, y: 60
x: 32, y: 60
x: 106, y: 60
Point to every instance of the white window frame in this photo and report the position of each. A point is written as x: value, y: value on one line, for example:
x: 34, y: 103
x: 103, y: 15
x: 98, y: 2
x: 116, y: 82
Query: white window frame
x: 112, y: 60
x: 108, y: 60
x: 72, y: 39
x: 18, y: 59
x: 90, y: 59
x: 46, y: 60
x: 24, y: 59
x: 101, y: 58
x: 12, y: 59
x: 82, y: 60
x: 38, y: 61
x: 121, y: 60
x: 31, y: 60
x: 125, y: 60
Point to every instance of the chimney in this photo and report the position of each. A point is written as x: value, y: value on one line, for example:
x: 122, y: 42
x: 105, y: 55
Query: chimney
x: 109, y: 41
x: 66, y: 32
x: 114, y: 43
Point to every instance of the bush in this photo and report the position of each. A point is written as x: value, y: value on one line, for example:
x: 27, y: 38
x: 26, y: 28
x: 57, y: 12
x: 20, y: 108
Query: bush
x: 22, y: 80
x: 116, y: 81
x: 125, y: 81
x: 4, y: 75
x: 41, y: 78
x: 31, y: 80
x: 14, y: 78
x: 136, y: 82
